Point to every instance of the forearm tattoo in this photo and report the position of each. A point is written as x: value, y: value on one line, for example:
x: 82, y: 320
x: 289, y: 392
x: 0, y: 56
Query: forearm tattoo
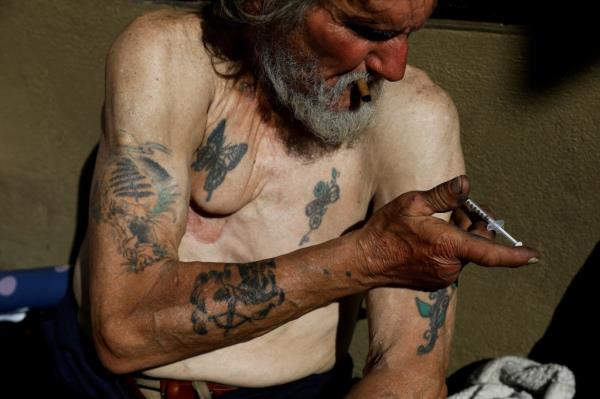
x: 325, y: 193
x: 436, y: 313
x: 217, y: 158
x: 135, y: 196
x: 239, y: 294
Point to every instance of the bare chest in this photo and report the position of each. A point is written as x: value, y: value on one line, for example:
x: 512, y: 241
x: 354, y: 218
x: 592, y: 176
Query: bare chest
x: 253, y: 201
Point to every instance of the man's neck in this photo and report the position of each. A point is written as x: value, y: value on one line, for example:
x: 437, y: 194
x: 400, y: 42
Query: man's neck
x: 297, y: 139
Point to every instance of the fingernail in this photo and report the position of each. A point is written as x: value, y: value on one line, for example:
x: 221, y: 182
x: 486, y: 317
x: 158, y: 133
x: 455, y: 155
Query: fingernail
x: 533, y: 260
x: 456, y: 185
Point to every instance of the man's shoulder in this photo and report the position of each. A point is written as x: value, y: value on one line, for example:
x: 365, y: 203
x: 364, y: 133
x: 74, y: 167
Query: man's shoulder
x: 159, y: 79
x: 417, y: 133
x: 164, y: 43
x: 414, y: 110
x: 162, y: 29
x: 416, y: 96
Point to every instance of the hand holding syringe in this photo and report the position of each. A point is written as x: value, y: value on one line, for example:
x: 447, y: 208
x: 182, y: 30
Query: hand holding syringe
x: 493, y: 225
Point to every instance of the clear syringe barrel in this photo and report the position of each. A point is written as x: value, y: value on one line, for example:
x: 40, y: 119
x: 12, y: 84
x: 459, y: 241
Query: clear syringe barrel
x: 494, y: 225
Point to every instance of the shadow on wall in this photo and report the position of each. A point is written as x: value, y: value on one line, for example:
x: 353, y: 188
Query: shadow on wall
x: 570, y: 339
x: 563, y: 33
x: 564, y: 41
x: 83, y: 199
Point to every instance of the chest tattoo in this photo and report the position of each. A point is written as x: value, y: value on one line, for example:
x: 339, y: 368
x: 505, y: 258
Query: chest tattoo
x: 217, y: 158
x: 325, y: 193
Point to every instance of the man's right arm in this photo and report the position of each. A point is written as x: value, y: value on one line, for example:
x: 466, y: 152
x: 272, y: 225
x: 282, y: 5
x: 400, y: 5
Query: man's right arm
x: 147, y: 307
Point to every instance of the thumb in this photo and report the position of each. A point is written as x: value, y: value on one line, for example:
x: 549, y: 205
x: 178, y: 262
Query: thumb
x: 442, y: 198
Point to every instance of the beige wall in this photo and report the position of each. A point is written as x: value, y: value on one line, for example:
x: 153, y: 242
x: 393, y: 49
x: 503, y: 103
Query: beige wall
x: 533, y: 156
x: 51, y: 88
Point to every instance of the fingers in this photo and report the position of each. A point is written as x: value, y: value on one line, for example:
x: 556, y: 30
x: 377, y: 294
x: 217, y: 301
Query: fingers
x: 487, y: 253
x: 480, y: 228
x: 469, y: 221
x: 461, y: 219
x: 442, y: 198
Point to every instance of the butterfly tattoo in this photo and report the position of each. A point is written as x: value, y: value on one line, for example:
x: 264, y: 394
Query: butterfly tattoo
x: 325, y: 193
x: 218, y: 158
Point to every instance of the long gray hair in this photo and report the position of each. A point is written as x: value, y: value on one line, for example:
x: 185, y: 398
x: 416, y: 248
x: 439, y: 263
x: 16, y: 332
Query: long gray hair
x: 227, y: 23
x: 237, y: 12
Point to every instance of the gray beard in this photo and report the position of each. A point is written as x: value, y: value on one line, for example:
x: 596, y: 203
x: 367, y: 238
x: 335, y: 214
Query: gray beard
x: 296, y: 82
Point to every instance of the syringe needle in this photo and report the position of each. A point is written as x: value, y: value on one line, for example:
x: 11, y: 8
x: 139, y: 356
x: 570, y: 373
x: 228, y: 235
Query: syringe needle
x: 494, y: 225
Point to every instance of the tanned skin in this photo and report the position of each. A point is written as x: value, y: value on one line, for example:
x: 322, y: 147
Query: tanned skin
x: 210, y: 244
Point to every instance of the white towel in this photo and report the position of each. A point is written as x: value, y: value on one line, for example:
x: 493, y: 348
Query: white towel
x: 517, y: 377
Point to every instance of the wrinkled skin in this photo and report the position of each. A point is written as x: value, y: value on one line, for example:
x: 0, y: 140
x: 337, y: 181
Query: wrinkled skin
x: 405, y: 239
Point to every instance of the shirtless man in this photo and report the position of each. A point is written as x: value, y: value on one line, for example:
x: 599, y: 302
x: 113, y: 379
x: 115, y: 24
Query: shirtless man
x: 221, y: 245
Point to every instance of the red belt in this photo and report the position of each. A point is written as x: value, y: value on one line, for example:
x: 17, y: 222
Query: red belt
x: 177, y: 389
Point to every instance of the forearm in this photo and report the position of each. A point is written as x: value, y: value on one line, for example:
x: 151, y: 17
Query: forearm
x: 194, y: 307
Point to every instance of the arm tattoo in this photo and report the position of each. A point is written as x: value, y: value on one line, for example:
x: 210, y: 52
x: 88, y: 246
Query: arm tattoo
x: 239, y: 294
x: 436, y: 313
x: 217, y: 158
x: 325, y: 193
x: 135, y: 197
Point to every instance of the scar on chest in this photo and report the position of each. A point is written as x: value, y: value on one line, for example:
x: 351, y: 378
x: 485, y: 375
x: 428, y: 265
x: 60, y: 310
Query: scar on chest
x: 203, y: 228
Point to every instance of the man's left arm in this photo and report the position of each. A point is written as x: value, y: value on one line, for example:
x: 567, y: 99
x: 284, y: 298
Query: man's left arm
x: 410, y: 334
x: 410, y: 331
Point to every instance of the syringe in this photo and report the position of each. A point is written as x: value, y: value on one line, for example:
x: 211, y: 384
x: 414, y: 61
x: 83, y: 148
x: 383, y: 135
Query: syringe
x: 493, y: 225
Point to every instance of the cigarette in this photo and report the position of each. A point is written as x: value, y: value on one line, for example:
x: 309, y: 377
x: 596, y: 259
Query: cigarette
x: 363, y: 90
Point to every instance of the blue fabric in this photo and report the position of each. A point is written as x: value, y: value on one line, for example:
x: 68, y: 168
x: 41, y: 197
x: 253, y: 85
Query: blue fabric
x: 39, y: 288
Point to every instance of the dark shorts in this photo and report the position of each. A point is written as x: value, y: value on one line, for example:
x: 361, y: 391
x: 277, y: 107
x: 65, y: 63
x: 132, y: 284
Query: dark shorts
x: 84, y: 376
x: 74, y: 356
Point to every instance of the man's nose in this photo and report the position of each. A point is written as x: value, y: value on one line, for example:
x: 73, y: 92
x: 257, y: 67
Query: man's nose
x: 388, y: 59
